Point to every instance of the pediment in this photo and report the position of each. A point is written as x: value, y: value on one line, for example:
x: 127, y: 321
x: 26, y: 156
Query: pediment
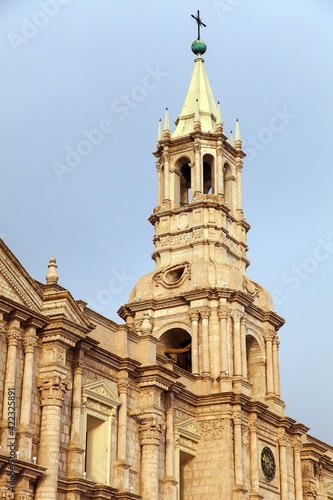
x: 101, y: 392
x: 16, y: 284
x: 189, y: 428
x: 58, y: 301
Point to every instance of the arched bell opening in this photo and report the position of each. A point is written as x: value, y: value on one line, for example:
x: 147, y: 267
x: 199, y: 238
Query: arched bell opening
x: 255, y: 367
x: 185, y: 185
x: 176, y: 345
x: 208, y: 174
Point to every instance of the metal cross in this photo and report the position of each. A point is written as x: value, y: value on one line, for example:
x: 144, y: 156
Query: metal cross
x: 199, y: 23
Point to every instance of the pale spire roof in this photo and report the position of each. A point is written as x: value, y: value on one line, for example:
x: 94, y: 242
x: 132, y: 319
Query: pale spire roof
x: 199, y: 94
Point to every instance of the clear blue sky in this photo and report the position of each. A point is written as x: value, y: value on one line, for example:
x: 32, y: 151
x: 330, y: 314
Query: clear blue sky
x: 72, y: 66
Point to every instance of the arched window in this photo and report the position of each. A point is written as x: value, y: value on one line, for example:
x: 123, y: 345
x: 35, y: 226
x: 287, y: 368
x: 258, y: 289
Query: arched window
x: 176, y: 345
x: 255, y: 367
x: 185, y: 184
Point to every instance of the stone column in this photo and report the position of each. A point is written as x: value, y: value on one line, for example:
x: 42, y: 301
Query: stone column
x: 52, y: 391
x: 24, y: 431
x: 237, y: 316
x: 122, y: 465
x: 75, y: 451
x: 298, y: 469
x: 239, y: 183
x: 283, y: 467
x: 196, y: 179
x: 166, y: 159
x: 254, y: 458
x: 150, y: 431
x: 205, y: 342
x: 219, y: 170
x: 169, y: 480
x: 13, y: 336
x: 276, y: 369
x: 223, y: 317
x: 214, y: 341
x: 243, y: 347
x: 268, y: 337
x: 195, y: 347
x: 159, y: 183
x: 238, y: 453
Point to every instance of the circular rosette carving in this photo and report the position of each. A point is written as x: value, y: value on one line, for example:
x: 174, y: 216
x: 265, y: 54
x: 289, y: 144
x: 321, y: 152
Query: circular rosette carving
x: 173, y: 276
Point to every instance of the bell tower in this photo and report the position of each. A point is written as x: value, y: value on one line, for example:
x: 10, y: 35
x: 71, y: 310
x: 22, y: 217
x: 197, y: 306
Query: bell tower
x: 198, y: 313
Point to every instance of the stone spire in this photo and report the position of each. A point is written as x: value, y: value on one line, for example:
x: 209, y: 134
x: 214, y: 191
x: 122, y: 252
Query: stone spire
x: 199, y: 91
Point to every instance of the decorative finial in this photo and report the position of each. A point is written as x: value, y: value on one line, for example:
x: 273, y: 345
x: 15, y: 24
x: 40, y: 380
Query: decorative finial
x: 238, y: 139
x: 159, y: 133
x: 231, y: 139
x: 198, y: 46
x: 166, y: 120
x: 166, y: 128
x: 219, y: 122
x: 52, y: 275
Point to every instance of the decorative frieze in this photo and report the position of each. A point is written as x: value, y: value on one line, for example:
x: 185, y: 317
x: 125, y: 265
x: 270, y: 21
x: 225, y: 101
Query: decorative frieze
x: 181, y: 238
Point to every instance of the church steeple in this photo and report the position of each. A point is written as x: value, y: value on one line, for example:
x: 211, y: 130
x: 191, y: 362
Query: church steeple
x: 195, y: 306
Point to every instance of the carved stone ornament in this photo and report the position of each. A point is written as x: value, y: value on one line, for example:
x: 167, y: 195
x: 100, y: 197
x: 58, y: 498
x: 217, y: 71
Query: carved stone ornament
x: 250, y: 287
x: 182, y: 222
x: 150, y: 431
x: 173, y: 276
x: 212, y: 430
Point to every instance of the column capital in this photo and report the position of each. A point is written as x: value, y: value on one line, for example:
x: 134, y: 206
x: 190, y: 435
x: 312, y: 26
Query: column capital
x: 237, y: 418
x: 52, y: 390
x: 150, y: 431
x: 283, y: 440
x: 243, y: 320
x: 204, y: 313
x: 268, y: 336
x: 276, y: 341
x: 194, y: 315
x: 223, y: 312
x: 13, y: 336
x: 79, y: 366
x: 123, y: 386
x: 253, y: 425
x: 219, y: 151
x: 30, y: 339
x: 237, y: 315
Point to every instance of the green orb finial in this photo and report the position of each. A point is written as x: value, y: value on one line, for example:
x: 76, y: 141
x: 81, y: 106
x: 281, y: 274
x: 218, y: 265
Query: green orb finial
x: 198, y: 47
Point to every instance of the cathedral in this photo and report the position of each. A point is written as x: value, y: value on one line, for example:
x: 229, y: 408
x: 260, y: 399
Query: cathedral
x: 181, y: 399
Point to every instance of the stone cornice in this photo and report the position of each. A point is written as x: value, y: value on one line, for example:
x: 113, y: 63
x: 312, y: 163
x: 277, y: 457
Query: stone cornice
x: 156, y: 376
x: 10, y: 307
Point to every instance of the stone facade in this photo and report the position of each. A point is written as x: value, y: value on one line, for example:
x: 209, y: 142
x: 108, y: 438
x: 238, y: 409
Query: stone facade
x: 180, y: 401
